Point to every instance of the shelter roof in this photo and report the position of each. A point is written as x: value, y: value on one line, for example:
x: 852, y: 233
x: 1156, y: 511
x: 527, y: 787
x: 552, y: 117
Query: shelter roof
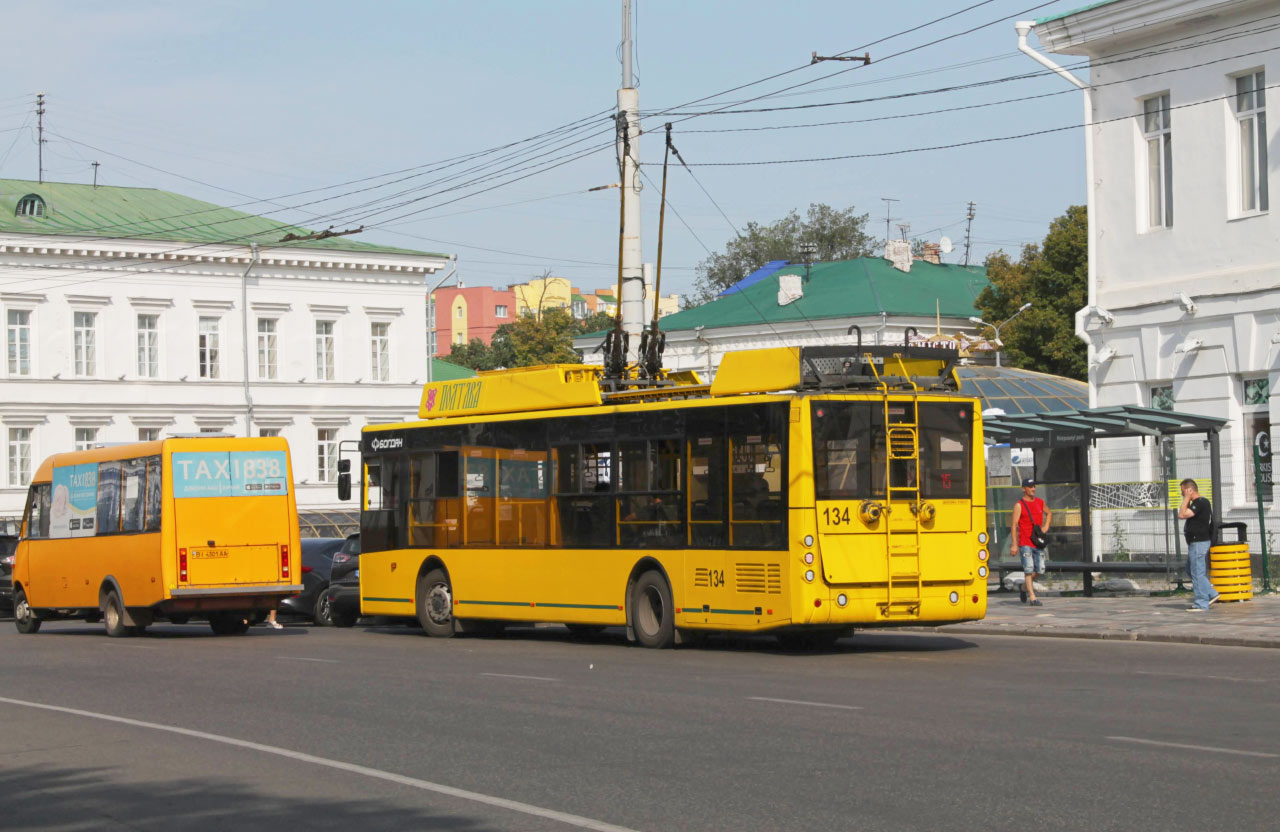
x: 1078, y: 427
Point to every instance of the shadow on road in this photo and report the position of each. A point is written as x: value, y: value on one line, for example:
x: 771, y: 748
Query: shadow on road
x: 51, y: 797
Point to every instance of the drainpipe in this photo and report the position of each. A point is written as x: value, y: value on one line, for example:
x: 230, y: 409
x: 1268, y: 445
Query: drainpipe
x: 884, y: 324
x: 431, y: 315
x: 1023, y: 28
x: 244, y: 327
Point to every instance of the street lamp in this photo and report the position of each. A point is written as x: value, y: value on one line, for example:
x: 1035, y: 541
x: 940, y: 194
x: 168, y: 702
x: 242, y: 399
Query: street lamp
x: 996, y: 327
x: 431, y: 316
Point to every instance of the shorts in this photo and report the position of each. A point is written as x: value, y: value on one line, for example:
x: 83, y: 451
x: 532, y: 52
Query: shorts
x: 1032, y: 560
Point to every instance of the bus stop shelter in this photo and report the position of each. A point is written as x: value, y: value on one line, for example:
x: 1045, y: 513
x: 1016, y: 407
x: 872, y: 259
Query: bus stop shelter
x: 1060, y: 441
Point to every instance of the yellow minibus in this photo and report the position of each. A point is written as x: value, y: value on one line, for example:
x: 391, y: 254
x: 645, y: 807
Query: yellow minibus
x: 192, y: 526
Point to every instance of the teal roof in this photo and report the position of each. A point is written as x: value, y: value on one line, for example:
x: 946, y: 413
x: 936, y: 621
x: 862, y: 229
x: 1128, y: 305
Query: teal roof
x: 442, y: 370
x: 843, y: 289
x: 112, y: 212
x: 1054, y: 17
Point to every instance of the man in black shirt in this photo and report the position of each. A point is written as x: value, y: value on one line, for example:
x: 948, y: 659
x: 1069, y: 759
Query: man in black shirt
x: 1198, y: 530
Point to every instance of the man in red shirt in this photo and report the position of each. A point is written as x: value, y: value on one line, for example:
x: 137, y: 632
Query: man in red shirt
x: 1029, y: 511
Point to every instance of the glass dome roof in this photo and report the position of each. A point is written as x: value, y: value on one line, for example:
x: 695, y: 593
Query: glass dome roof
x: 1014, y: 390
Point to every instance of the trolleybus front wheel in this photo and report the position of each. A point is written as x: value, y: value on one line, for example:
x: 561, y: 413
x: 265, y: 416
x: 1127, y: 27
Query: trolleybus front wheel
x: 24, y: 618
x: 652, y: 612
x: 435, y: 604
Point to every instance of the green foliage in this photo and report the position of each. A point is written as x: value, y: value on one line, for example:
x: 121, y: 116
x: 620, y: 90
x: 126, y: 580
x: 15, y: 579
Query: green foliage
x: 475, y: 355
x: 839, y: 235
x: 526, y: 342
x: 1054, y: 278
x: 595, y: 322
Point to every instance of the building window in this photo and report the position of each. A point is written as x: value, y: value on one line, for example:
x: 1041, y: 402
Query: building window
x: 19, y: 456
x: 268, y: 431
x: 19, y: 341
x: 1162, y: 398
x: 266, y: 348
x: 580, y: 309
x: 327, y: 454
x: 30, y: 206
x: 209, y: 348
x: 148, y: 346
x: 148, y: 434
x: 499, y: 311
x: 457, y: 338
x: 86, y: 438
x: 1157, y: 135
x: 461, y: 313
x: 432, y: 343
x: 380, y: 344
x: 86, y: 348
x: 324, y: 350
x: 1251, y: 118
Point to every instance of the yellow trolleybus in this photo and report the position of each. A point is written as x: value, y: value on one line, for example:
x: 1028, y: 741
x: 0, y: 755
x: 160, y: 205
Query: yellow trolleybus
x: 188, y: 526
x: 804, y: 492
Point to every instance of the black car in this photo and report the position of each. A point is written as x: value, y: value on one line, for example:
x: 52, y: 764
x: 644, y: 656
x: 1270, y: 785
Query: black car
x: 344, y: 585
x: 317, y: 560
x: 8, y: 545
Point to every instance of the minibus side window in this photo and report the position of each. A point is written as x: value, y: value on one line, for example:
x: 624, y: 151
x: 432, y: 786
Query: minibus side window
x: 37, y: 520
x: 133, y: 492
x: 154, y: 491
x: 108, y: 498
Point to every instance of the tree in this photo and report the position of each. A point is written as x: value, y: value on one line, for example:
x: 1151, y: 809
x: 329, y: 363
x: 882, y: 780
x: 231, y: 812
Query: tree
x: 839, y: 235
x: 595, y: 322
x: 1053, y: 277
x: 530, y: 340
x: 477, y: 355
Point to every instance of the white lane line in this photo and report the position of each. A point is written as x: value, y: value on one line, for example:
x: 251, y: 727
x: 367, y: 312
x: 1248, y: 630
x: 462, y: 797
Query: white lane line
x: 1197, y: 677
x: 1195, y: 747
x: 305, y: 659
x: 802, y: 702
x: 378, y: 774
x: 517, y: 676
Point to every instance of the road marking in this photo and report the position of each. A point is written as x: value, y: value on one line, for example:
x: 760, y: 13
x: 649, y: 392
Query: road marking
x: 1195, y: 747
x: 1197, y: 677
x: 802, y: 702
x: 305, y: 659
x: 517, y: 676
x: 378, y: 774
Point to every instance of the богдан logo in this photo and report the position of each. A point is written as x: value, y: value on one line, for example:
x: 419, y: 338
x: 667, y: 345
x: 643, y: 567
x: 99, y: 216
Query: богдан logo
x: 387, y: 444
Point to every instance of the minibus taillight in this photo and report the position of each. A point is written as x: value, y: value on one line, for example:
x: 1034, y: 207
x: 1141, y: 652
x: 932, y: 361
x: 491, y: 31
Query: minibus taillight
x: 284, y: 561
x: 182, y: 564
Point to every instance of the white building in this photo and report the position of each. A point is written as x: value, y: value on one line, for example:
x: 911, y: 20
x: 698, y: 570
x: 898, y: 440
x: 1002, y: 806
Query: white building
x: 125, y: 319
x: 1185, y: 266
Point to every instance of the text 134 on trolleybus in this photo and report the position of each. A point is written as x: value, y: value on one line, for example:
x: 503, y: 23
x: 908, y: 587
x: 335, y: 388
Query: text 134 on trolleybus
x: 172, y: 529
x: 805, y: 492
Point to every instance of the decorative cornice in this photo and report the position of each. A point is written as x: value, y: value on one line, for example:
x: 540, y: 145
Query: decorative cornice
x: 151, y: 304
x: 213, y: 305
x: 93, y: 301
x: 384, y: 311
x: 153, y: 421
x: 268, y: 306
x: 22, y: 298
x: 24, y: 420
x: 88, y: 421
x: 328, y: 309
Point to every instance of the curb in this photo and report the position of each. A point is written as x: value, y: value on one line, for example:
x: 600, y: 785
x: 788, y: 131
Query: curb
x: 1108, y: 635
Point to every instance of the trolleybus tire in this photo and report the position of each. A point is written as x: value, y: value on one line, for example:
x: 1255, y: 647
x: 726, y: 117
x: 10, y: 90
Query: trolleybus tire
x: 435, y: 604
x: 113, y: 616
x: 24, y: 618
x: 652, y: 611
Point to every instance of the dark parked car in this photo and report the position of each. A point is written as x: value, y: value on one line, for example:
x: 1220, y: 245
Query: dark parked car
x: 8, y: 545
x: 317, y: 560
x: 344, y: 584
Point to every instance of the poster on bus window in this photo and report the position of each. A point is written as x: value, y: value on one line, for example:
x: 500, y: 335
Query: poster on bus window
x: 235, y: 474
x: 73, y: 508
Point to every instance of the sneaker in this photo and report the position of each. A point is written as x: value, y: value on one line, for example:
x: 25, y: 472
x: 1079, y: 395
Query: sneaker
x: 275, y: 625
x: 1194, y: 609
x: 1034, y: 602
x: 1214, y: 600
x: 1022, y: 594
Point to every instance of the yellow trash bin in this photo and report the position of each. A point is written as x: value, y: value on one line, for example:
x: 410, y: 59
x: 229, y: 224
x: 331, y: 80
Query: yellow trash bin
x: 1230, y: 571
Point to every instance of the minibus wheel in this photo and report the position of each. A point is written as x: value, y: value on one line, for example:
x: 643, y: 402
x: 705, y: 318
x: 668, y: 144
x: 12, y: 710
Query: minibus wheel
x: 652, y: 612
x: 24, y: 618
x: 435, y: 604
x: 113, y: 616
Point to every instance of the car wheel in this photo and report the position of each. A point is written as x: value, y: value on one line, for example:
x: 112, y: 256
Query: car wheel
x: 435, y: 604
x: 113, y: 616
x: 322, y: 615
x: 24, y: 618
x: 652, y: 611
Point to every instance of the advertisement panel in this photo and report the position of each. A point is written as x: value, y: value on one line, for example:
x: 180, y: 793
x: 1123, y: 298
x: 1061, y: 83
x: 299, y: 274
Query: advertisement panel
x: 73, y: 508
x: 235, y: 474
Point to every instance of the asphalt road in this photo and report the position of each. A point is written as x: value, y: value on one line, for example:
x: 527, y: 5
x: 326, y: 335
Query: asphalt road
x: 382, y: 728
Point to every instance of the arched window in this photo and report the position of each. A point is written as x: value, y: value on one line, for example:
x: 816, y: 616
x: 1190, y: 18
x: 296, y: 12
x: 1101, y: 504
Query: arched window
x: 30, y: 205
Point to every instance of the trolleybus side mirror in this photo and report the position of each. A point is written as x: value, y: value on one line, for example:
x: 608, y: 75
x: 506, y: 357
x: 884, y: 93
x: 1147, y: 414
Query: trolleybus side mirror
x: 344, y: 479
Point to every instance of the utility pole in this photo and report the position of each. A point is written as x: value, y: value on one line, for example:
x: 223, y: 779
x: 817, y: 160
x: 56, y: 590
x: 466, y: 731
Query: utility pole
x: 95, y: 174
x: 632, y: 299
x: 968, y: 240
x: 40, y: 134
x: 888, y: 204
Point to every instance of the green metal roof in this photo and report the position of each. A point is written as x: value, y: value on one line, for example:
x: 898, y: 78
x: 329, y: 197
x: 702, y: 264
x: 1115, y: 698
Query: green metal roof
x: 442, y: 370
x: 607, y: 298
x: 113, y: 212
x: 842, y: 289
x: 1054, y: 17
x: 577, y: 297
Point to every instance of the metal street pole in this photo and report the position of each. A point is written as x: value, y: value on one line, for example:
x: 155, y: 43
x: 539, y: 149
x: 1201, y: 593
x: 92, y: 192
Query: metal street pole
x: 432, y: 345
x: 997, y: 327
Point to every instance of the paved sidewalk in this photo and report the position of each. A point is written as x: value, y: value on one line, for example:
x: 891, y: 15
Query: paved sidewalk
x: 1254, y: 623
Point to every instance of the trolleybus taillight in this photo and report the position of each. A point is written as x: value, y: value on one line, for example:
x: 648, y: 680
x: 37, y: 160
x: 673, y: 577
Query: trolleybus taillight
x: 182, y: 564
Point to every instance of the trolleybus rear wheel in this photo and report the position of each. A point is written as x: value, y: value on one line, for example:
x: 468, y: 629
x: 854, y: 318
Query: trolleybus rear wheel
x: 435, y: 604
x: 24, y: 618
x: 652, y: 612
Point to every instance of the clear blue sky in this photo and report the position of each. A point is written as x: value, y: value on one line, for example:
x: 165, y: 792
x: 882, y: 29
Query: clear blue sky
x: 271, y: 99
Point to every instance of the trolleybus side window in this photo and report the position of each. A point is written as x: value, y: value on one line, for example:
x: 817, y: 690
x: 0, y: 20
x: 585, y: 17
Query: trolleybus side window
x: 583, y: 498
x: 708, y: 480
x: 650, y: 505
x: 842, y: 450
x: 380, y: 522
x: 37, y: 521
x: 757, y: 476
